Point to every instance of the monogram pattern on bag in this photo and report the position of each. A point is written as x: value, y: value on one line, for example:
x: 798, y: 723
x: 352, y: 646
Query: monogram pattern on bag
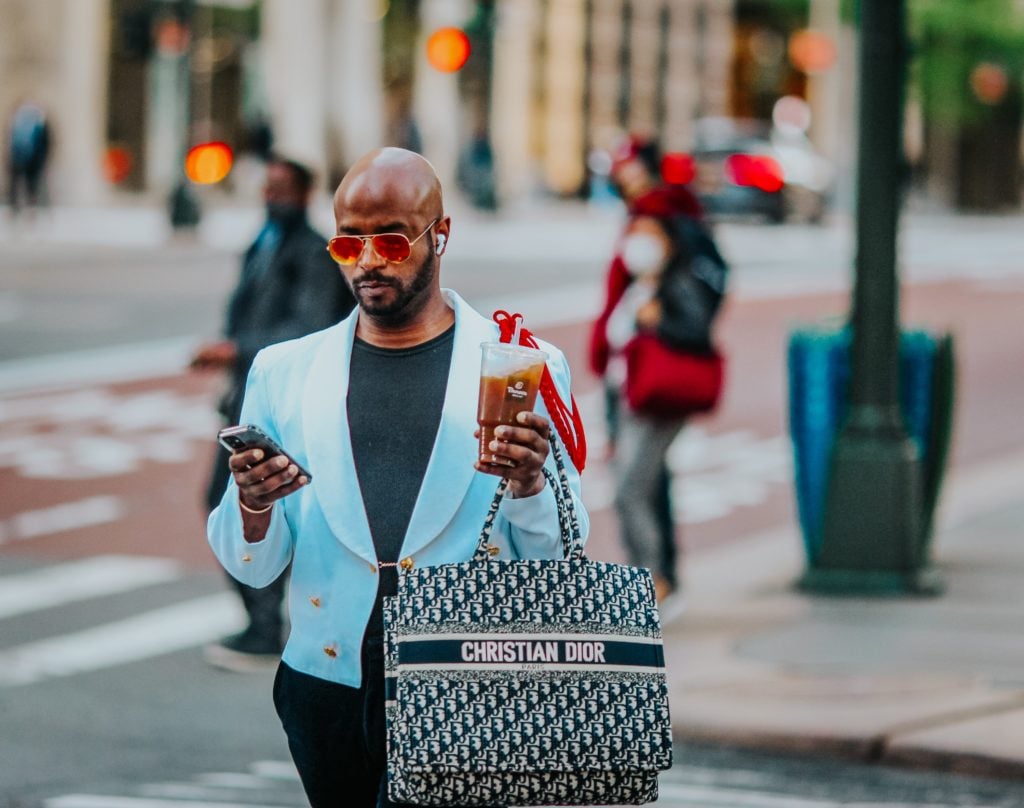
x: 575, y: 596
x: 553, y: 788
x: 532, y: 736
x: 510, y: 722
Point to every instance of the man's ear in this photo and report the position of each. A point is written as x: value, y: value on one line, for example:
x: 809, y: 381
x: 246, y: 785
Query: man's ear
x: 441, y: 239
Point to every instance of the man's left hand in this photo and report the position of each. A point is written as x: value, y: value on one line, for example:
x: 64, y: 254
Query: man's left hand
x: 526, y: 448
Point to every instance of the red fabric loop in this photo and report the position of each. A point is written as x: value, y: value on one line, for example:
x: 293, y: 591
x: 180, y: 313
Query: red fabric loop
x: 567, y: 420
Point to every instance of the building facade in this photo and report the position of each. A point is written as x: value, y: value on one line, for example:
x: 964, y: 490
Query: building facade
x: 130, y: 84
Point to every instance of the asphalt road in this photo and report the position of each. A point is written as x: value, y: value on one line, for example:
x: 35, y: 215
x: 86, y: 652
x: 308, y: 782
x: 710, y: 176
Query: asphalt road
x: 103, y: 692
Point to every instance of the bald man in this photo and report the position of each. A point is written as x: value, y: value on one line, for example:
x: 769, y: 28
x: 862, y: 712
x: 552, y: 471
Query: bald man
x: 381, y: 411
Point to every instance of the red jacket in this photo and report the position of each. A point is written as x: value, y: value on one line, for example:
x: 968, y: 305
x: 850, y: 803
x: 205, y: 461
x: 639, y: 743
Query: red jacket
x: 665, y: 200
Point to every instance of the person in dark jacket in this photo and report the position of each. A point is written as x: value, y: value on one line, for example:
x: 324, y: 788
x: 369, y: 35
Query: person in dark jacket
x: 288, y: 287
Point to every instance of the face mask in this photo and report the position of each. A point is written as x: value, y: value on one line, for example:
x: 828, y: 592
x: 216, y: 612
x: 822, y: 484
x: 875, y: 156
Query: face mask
x: 642, y: 254
x: 284, y: 212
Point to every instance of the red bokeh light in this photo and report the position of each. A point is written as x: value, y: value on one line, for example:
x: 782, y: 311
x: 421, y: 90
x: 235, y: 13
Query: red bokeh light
x: 755, y: 171
x: 812, y: 51
x: 208, y: 163
x: 989, y: 83
x: 117, y: 164
x: 448, y: 49
x: 678, y: 168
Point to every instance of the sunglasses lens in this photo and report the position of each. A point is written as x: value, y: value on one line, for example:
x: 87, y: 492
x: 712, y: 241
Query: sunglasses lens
x: 392, y: 247
x: 345, y: 249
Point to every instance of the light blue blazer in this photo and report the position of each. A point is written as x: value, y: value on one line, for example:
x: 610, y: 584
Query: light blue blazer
x: 296, y: 392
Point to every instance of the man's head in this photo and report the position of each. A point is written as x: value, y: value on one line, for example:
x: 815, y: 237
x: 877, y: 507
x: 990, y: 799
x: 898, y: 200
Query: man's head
x: 396, y: 191
x: 287, y: 189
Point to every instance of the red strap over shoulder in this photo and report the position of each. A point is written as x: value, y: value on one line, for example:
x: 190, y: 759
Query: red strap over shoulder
x: 566, y: 419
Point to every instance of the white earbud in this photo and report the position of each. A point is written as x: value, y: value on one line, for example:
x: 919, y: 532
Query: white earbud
x: 441, y: 239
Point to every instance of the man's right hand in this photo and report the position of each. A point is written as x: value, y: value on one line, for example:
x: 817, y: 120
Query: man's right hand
x: 262, y: 482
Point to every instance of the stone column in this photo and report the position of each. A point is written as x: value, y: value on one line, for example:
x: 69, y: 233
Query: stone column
x: 79, y: 123
x: 564, y: 169
x: 512, y: 98
x: 355, y: 96
x: 719, y: 22
x: 825, y: 90
x: 606, y: 130
x: 294, y: 40
x: 436, y: 103
x: 683, y: 81
x: 645, y: 66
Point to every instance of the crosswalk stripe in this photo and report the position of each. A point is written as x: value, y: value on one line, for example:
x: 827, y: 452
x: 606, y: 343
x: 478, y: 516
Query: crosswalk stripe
x: 151, y: 634
x: 275, y: 770
x: 101, y: 801
x: 81, y: 580
x: 734, y: 798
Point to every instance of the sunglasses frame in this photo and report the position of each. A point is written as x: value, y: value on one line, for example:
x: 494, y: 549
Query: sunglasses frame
x: 370, y: 238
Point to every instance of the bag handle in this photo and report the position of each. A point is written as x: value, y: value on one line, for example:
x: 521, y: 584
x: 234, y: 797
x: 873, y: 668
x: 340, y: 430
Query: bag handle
x: 566, y: 419
x: 568, y: 520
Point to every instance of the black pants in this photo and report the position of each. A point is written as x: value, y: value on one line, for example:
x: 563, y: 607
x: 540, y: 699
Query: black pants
x: 336, y: 734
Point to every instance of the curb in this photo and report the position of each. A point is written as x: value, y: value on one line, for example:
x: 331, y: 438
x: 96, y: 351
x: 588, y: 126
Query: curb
x: 862, y: 750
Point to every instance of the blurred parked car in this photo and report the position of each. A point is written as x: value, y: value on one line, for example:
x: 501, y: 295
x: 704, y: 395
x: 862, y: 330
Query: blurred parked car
x: 750, y: 168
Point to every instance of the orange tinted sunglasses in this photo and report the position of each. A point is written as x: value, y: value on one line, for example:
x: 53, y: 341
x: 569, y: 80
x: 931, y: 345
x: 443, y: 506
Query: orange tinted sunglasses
x: 392, y: 247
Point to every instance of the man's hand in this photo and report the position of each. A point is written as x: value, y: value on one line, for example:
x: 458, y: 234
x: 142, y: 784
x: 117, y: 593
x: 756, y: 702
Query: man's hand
x: 526, y: 448
x: 215, y: 356
x: 262, y: 482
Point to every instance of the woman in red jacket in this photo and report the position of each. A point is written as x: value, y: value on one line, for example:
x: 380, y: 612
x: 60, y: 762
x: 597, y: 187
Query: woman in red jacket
x: 638, y: 444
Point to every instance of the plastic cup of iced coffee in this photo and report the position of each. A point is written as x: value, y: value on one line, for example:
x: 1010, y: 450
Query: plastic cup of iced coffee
x: 509, y: 381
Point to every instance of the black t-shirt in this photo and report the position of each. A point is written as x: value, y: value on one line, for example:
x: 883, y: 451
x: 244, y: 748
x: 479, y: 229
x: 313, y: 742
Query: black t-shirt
x: 395, y: 398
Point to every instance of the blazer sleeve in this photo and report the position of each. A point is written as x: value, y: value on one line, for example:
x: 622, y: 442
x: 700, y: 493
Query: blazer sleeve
x: 530, y: 526
x: 254, y: 563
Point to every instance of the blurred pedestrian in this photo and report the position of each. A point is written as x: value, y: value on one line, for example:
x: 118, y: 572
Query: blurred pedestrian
x: 28, y: 152
x: 288, y: 287
x: 652, y: 250
x: 396, y: 478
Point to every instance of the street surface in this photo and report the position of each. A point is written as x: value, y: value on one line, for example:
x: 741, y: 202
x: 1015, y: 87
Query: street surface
x: 107, y: 588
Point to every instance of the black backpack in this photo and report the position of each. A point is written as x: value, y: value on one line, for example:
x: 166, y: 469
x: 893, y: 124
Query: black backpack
x: 692, y: 287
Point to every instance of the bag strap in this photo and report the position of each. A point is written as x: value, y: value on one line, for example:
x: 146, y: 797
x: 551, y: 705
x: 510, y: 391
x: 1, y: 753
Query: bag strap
x: 568, y: 520
x: 566, y: 419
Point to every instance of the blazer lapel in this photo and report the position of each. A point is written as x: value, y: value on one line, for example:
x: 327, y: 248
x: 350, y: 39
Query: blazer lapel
x: 450, y: 470
x: 329, y: 444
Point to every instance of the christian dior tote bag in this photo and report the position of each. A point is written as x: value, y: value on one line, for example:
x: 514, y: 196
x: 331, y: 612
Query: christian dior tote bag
x: 526, y: 682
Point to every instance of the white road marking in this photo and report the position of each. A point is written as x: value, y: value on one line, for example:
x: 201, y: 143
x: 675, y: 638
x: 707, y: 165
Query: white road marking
x: 93, y: 433
x: 100, y: 801
x: 98, y: 510
x: 80, y: 580
x: 275, y: 770
x: 714, y: 474
x: 232, y: 780
x: 151, y: 634
x: 120, y: 363
x: 680, y: 794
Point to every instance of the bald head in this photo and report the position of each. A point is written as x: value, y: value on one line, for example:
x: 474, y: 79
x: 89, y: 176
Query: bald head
x: 393, y: 180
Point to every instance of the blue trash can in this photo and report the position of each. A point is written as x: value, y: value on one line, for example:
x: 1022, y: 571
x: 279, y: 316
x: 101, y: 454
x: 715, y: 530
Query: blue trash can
x: 819, y: 375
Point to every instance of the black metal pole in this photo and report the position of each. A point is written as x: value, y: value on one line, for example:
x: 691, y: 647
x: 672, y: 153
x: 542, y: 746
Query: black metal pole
x: 872, y: 534
x: 874, y: 393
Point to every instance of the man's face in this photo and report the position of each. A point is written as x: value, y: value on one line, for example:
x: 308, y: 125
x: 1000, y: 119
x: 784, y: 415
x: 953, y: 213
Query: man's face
x: 280, y: 188
x: 391, y: 291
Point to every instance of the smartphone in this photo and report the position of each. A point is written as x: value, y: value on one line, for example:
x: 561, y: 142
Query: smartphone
x: 247, y: 436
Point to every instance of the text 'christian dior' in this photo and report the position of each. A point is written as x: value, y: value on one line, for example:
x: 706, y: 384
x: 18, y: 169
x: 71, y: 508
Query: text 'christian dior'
x: 530, y: 651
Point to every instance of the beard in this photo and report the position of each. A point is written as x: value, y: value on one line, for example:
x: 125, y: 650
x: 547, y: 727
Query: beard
x: 407, y: 298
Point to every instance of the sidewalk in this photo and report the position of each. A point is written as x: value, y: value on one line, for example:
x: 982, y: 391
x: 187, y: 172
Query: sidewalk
x: 935, y: 682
